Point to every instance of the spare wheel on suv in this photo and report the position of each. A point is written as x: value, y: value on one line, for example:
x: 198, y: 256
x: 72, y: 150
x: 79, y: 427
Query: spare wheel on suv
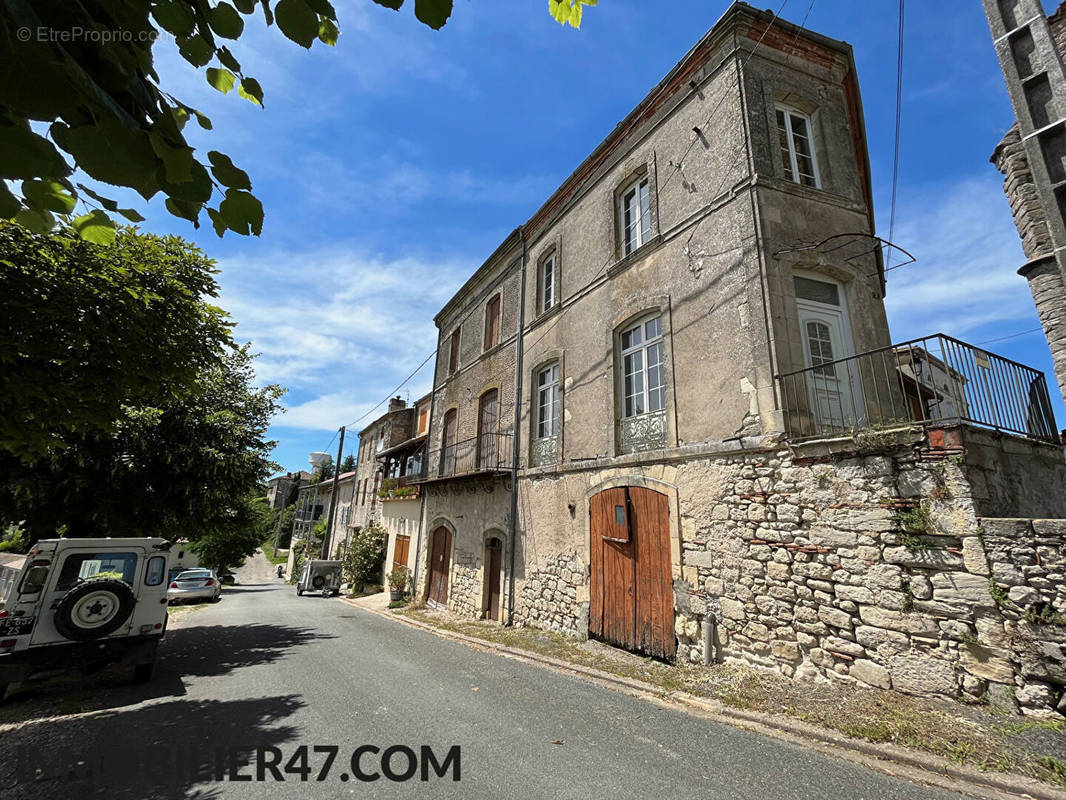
x: 94, y: 609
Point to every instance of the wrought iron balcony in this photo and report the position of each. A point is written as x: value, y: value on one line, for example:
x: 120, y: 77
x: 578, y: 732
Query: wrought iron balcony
x: 488, y: 453
x: 934, y: 380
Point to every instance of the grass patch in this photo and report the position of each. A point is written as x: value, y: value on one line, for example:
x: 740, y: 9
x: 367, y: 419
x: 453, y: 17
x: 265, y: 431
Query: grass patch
x: 964, y: 734
x: 268, y: 549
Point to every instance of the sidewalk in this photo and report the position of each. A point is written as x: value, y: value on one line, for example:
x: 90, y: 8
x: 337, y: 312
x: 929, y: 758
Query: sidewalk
x: 379, y: 601
x: 980, y: 751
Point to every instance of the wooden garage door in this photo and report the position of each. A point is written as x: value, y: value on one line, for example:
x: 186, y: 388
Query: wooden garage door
x: 631, y: 602
x: 439, y: 562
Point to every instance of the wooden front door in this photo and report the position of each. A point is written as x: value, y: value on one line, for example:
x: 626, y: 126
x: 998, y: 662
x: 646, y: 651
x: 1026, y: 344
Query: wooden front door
x: 631, y: 598
x: 493, y: 571
x: 439, y: 562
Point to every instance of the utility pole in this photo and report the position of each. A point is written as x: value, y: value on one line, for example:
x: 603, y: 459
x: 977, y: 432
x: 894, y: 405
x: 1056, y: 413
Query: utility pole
x: 333, y: 498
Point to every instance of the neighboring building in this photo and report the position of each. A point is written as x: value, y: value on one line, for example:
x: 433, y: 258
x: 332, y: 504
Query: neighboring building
x: 280, y: 487
x: 1032, y: 156
x: 714, y: 439
x: 390, y: 429
x: 399, y: 492
x: 312, y: 507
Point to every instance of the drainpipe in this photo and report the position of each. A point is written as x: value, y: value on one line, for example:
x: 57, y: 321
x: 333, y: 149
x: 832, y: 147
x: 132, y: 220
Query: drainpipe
x: 515, y: 434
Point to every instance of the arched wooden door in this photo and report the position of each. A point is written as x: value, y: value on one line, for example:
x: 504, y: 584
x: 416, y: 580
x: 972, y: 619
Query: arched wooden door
x: 631, y: 596
x: 439, y: 562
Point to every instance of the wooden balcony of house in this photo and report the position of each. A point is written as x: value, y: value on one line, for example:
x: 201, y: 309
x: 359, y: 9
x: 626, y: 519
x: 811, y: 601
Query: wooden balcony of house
x: 933, y: 381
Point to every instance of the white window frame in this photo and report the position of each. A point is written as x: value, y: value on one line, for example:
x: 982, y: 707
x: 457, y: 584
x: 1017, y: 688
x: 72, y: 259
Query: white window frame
x: 547, y: 398
x: 640, y: 189
x: 793, y: 166
x: 547, y: 276
x: 642, y: 348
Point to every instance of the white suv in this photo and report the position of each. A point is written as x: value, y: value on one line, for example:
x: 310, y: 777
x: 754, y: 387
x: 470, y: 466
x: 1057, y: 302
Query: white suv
x: 83, y: 603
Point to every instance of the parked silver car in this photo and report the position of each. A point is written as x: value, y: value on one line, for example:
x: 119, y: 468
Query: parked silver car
x: 195, y: 585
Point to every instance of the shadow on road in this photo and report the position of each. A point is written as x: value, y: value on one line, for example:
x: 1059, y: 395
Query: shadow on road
x: 162, y: 750
x: 203, y: 650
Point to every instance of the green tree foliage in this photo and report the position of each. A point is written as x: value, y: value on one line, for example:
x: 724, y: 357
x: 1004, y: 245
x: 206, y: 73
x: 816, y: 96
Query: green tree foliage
x: 234, y: 537
x: 184, y: 467
x: 83, y: 71
x: 85, y: 330
x: 323, y: 472
x: 365, y: 558
x: 348, y: 464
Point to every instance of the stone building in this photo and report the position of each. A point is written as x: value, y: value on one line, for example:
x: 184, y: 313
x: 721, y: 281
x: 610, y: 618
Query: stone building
x: 280, y: 487
x: 390, y: 429
x: 1032, y: 156
x: 667, y: 412
x: 399, y: 492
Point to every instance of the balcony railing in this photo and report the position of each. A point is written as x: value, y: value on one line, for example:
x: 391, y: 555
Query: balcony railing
x: 488, y: 453
x: 934, y: 380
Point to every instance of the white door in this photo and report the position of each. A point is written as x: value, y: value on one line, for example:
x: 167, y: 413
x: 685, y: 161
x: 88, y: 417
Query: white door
x: 833, y: 388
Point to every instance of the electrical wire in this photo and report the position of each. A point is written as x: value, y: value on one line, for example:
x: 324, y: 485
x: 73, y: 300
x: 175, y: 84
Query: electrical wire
x: 1010, y: 336
x: 899, y: 120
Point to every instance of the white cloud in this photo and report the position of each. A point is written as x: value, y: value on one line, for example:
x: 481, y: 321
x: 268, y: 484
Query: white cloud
x: 338, y: 326
x: 968, y: 254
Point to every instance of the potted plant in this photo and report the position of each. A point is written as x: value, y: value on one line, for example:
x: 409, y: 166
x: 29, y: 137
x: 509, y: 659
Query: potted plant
x: 397, y: 583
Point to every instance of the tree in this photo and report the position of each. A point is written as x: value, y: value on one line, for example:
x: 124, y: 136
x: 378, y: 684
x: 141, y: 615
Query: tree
x: 323, y: 472
x: 183, y: 467
x: 85, y: 70
x: 348, y: 464
x: 85, y: 330
x: 230, y: 541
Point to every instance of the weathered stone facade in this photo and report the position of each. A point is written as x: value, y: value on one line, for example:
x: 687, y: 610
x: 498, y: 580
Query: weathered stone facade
x: 871, y: 567
x: 549, y: 597
x: 859, y: 558
x: 1030, y: 156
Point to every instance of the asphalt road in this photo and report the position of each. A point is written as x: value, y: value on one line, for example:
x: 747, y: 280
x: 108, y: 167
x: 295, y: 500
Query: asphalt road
x: 264, y: 668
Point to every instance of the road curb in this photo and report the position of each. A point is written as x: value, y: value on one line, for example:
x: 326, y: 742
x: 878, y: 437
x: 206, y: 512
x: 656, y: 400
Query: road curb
x: 886, y: 758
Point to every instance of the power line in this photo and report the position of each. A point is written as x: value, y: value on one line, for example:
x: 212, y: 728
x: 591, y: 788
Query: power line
x: 1010, y: 336
x: 899, y: 118
x: 393, y: 392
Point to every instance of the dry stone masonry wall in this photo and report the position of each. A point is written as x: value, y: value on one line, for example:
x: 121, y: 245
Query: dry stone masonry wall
x: 868, y: 568
x: 549, y: 597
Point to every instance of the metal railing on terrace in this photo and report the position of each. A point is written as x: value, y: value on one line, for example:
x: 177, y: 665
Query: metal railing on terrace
x: 487, y: 453
x: 934, y: 380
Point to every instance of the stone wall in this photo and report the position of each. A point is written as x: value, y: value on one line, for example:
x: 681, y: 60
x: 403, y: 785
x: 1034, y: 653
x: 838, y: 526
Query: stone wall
x: 1010, y: 476
x: 1028, y: 565
x: 465, y: 590
x: 549, y: 597
x: 863, y: 567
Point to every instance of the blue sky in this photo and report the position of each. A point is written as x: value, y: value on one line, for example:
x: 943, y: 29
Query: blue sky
x: 392, y: 165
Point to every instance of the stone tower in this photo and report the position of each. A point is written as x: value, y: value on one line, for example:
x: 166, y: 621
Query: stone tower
x: 1032, y: 156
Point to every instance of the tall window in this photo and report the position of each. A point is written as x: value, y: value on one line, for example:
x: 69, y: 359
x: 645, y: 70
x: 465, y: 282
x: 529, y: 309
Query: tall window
x: 634, y: 216
x: 546, y: 284
x: 797, y: 147
x: 423, y: 421
x: 453, y: 351
x: 447, y: 442
x: 643, y: 381
x: 492, y: 323
x: 548, y: 402
x: 488, y: 415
